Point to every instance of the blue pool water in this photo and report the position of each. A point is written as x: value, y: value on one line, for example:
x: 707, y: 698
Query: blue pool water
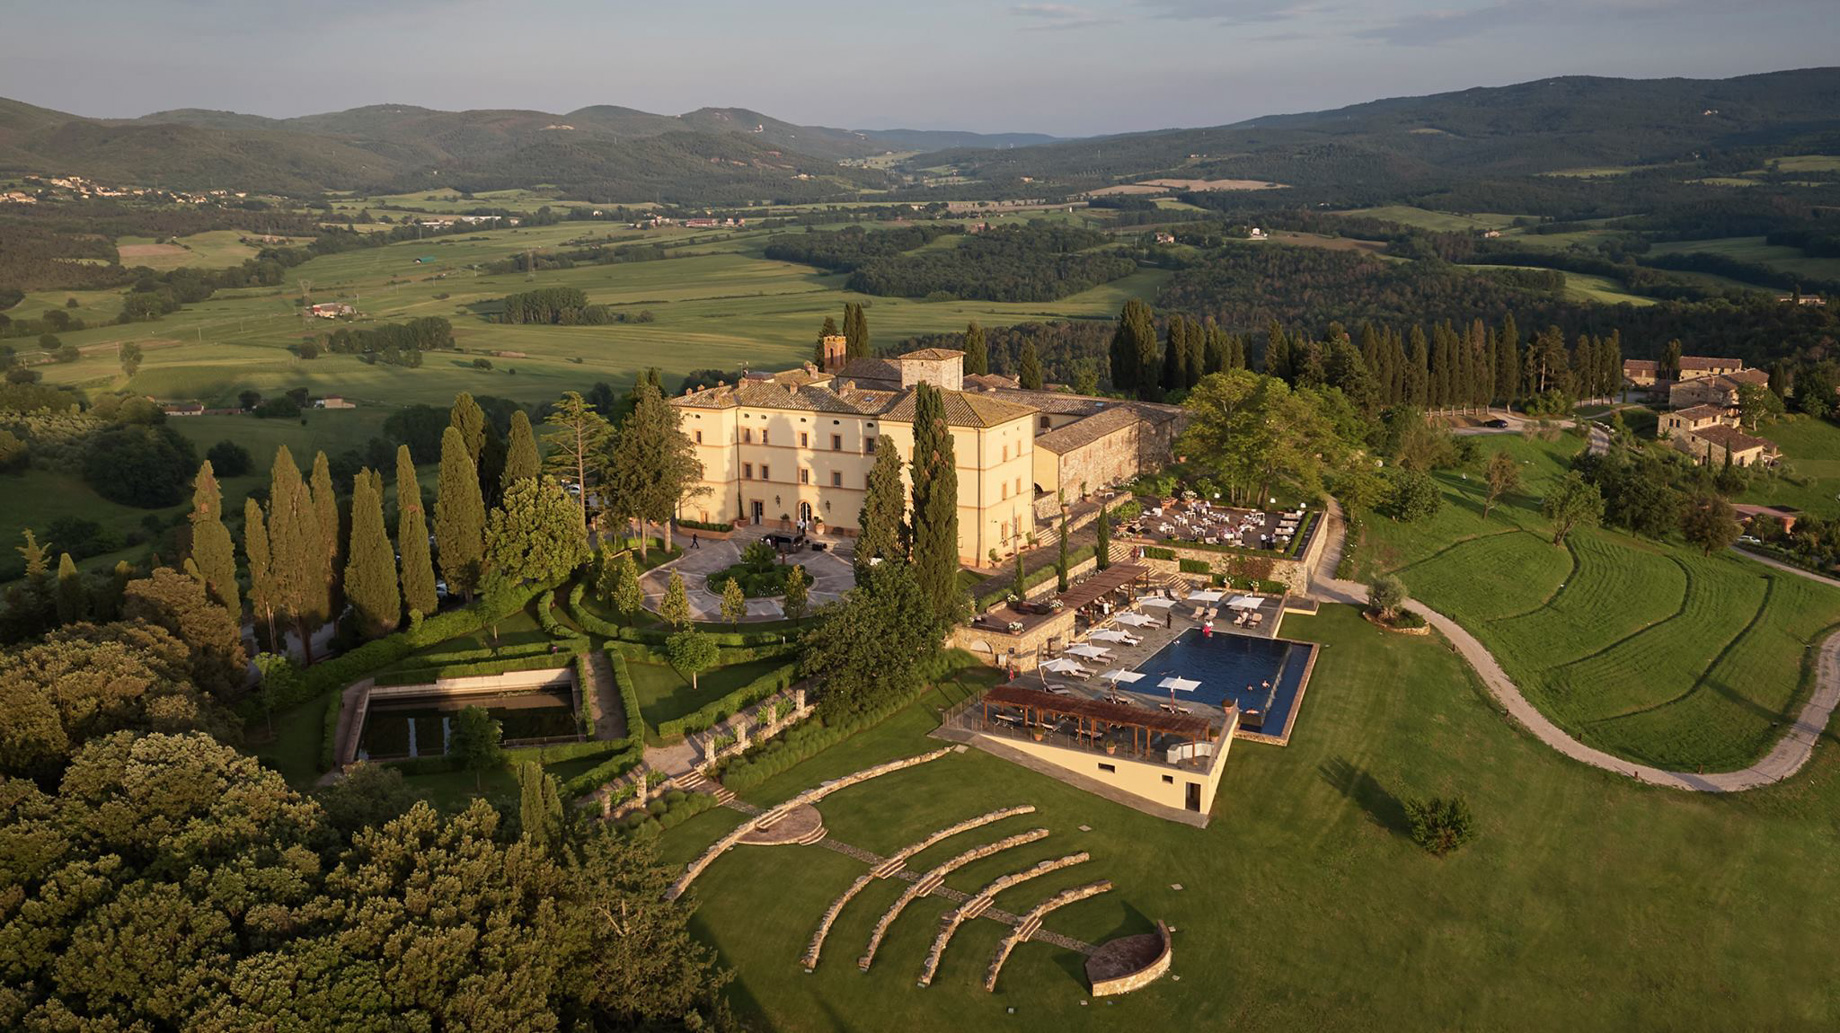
x: 1230, y: 667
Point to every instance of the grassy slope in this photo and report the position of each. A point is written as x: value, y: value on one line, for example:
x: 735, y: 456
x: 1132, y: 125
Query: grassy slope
x: 1753, y: 249
x: 1648, y: 650
x: 664, y: 694
x: 1586, y: 902
x: 1811, y: 452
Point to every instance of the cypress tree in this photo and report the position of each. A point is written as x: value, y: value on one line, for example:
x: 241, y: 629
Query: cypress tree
x: 298, y: 560
x: 1215, y: 349
x: 470, y: 420
x: 1278, y: 360
x: 262, y: 601
x: 1028, y: 367
x: 855, y: 331
x: 1133, y: 350
x: 675, y: 607
x: 417, y: 574
x: 1175, y: 346
x: 326, y: 518
x: 1061, y: 565
x: 935, y: 505
x: 492, y: 459
x: 977, y: 352
x: 73, y: 594
x: 1418, y: 369
x: 880, y: 530
x: 1507, y: 362
x: 1194, y: 359
x: 459, y: 516
x: 521, y: 460
x: 1102, y: 549
x: 213, y: 553
x: 1019, y: 571
x: 863, y: 344
x: 370, y: 572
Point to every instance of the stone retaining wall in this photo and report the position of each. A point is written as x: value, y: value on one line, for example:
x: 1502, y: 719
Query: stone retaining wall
x: 809, y: 796
x: 931, y: 880
x: 1129, y: 981
x: 893, y: 865
x: 981, y: 900
x: 358, y: 703
x: 1032, y: 921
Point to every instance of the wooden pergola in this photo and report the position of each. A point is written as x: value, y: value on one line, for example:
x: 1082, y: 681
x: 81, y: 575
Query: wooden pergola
x: 1089, y: 714
x: 1102, y: 584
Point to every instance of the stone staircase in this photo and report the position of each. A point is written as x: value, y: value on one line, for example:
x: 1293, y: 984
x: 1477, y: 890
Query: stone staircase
x: 696, y: 782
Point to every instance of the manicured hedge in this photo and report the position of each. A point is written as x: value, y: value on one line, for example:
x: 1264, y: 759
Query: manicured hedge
x: 606, y: 771
x: 467, y: 656
x: 546, y: 619
x: 340, y: 671
x: 1187, y: 566
x: 328, y: 744
x: 1157, y: 552
x: 584, y: 683
x: 657, y: 636
x: 428, y: 675
x: 667, y: 812
x: 745, y: 696
x: 698, y: 525
x: 629, y: 697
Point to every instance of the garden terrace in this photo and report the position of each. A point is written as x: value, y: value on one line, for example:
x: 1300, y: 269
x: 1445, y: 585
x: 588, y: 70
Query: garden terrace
x: 980, y: 902
x: 933, y: 879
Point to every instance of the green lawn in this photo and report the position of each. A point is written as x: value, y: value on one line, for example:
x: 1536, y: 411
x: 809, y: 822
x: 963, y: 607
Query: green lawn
x: 1647, y: 650
x: 664, y: 694
x: 1586, y: 902
x: 1757, y: 250
x: 1438, y: 222
x: 1810, y: 479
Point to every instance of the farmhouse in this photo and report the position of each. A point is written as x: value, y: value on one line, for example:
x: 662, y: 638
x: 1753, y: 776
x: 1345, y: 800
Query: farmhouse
x: 1686, y: 421
x: 1641, y: 372
x: 798, y: 445
x: 1694, y: 367
x: 182, y: 408
x: 331, y: 310
x: 1716, y: 389
x: 1710, y: 445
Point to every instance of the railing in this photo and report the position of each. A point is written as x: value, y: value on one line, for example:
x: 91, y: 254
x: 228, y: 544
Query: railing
x: 964, y: 720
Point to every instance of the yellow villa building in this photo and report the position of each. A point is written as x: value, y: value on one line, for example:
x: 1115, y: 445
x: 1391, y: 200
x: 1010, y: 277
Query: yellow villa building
x: 798, y: 445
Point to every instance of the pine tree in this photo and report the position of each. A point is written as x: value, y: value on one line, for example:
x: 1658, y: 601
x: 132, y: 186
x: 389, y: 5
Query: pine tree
x: 470, y: 420
x: 935, y: 503
x: 797, y: 599
x: 72, y: 593
x: 262, y: 597
x: 459, y: 516
x: 521, y: 460
x: 577, y: 437
x: 370, y: 572
x: 977, y: 352
x: 213, y: 553
x: 1028, y: 367
x: 326, y: 518
x: 734, y: 603
x: 675, y: 607
x: 412, y: 539
x: 881, y: 531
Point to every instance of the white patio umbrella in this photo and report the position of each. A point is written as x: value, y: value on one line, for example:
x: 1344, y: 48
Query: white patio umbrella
x: 1176, y: 683
x: 1207, y: 596
x: 1141, y: 620
x: 1088, y: 651
x: 1062, y: 665
x: 1122, y: 675
x: 1244, y: 602
x: 1111, y: 635
x: 1156, y: 600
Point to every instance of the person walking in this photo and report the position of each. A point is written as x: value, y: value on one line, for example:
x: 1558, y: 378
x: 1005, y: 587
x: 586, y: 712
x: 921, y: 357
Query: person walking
x: 695, y: 543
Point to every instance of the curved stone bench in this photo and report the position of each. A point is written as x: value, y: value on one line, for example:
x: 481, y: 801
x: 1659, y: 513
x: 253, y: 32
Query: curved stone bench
x: 894, y: 863
x: 770, y: 818
x: 930, y: 882
x: 1032, y: 922
x: 981, y: 900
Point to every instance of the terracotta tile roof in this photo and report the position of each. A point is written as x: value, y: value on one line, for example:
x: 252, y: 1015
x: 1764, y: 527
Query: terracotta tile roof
x: 1731, y: 439
x: 1705, y: 362
x: 1641, y: 366
x: 962, y: 409
x: 1702, y: 412
x: 1080, y: 433
x: 991, y: 381
x: 767, y: 394
x: 932, y: 354
x: 1749, y: 376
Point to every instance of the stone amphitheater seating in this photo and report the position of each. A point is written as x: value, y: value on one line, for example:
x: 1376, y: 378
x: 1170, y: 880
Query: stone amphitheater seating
x: 893, y: 865
x: 980, y: 902
x: 932, y: 880
x: 1031, y: 922
x: 811, y: 796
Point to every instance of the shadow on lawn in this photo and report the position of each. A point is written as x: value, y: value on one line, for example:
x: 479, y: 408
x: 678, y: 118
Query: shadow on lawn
x: 1358, y: 785
x: 1135, y: 923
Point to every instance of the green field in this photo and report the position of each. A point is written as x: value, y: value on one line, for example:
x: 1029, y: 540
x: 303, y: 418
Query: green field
x: 216, y: 249
x: 1811, y: 456
x: 1754, y: 249
x: 665, y: 695
x: 1647, y: 650
x: 1437, y: 222
x: 1587, y: 901
x: 722, y: 305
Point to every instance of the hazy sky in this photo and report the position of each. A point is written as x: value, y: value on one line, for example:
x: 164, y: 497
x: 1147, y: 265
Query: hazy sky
x: 1066, y: 68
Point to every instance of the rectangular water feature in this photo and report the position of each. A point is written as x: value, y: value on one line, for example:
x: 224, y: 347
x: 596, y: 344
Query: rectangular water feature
x: 418, y: 726
x: 1257, y: 674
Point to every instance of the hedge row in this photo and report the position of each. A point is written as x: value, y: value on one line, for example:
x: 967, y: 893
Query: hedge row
x: 698, y: 525
x: 584, y: 685
x: 667, y: 812
x: 606, y: 771
x: 746, y: 696
x: 1188, y: 566
x: 657, y: 636
x: 428, y: 675
x: 1157, y: 552
x: 1029, y: 580
x: 339, y: 671
x: 550, y: 753
x: 546, y: 619
x: 629, y: 697
x: 329, y: 736
x: 463, y: 656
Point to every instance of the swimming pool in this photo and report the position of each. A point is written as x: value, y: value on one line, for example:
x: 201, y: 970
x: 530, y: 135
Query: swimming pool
x: 1235, y: 667
x: 419, y: 726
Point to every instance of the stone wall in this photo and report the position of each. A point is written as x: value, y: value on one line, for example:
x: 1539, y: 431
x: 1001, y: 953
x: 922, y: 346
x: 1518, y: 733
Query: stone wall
x: 1129, y: 981
x: 357, y: 697
x: 1032, y: 922
x: 931, y: 881
x: 980, y: 900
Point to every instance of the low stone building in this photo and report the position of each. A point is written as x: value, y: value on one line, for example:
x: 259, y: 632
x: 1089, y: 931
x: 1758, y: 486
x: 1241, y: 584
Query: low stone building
x: 1711, y: 444
x: 1641, y: 372
x: 1717, y: 389
x: 1686, y: 421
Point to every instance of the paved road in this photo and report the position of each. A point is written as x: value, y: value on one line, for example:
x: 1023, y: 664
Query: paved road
x: 1790, y: 753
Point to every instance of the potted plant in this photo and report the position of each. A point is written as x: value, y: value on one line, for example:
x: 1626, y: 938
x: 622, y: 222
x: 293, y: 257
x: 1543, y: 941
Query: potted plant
x: 1111, y: 748
x: 1037, y: 733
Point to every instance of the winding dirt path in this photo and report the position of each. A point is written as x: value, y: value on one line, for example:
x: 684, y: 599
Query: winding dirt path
x: 1785, y: 759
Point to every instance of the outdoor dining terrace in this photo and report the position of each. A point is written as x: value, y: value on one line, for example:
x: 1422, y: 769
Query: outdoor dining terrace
x: 1021, y: 712
x: 1196, y: 521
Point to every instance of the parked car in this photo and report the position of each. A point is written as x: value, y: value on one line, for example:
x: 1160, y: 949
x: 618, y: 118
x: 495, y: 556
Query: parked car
x: 1497, y: 423
x: 785, y: 542
x: 1749, y: 539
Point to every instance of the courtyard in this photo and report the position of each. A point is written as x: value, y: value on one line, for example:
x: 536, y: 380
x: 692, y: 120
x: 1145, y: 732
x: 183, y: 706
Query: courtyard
x: 829, y: 569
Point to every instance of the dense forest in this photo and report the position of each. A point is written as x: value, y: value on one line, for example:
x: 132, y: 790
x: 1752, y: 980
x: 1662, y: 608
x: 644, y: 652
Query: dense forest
x: 1039, y: 261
